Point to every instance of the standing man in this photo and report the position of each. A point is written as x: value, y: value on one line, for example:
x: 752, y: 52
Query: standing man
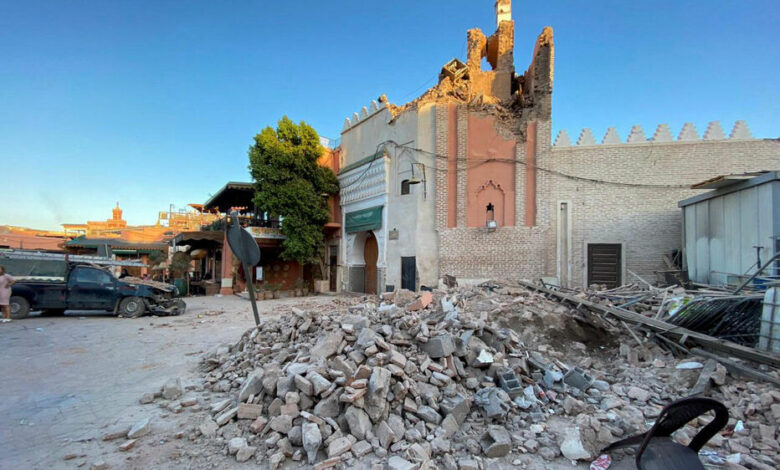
x: 6, y: 281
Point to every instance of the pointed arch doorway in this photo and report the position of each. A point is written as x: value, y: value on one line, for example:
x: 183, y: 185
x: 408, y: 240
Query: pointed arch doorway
x: 370, y: 256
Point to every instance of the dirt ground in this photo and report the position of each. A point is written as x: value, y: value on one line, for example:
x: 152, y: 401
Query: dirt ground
x: 66, y: 380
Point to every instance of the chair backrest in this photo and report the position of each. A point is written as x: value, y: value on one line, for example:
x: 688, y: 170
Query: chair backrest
x: 676, y: 414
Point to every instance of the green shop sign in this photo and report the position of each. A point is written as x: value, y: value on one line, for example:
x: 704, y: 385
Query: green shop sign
x: 366, y: 219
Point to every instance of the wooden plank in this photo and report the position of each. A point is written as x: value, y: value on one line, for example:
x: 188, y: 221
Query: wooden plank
x: 732, y: 349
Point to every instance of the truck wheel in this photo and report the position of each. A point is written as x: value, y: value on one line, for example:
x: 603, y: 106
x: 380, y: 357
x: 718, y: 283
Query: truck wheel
x: 20, y: 307
x: 180, y: 307
x: 131, y: 307
x: 53, y: 312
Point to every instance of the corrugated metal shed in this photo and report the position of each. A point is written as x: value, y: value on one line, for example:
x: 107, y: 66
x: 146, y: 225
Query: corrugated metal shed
x: 721, y: 228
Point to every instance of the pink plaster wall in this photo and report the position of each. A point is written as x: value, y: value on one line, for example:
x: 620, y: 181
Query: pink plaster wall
x: 490, y: 174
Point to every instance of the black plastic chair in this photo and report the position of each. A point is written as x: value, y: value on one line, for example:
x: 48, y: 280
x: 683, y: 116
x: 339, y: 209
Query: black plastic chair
x: 657, y: 451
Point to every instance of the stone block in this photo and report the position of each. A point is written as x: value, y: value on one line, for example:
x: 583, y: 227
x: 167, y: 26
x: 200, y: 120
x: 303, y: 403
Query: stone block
x: 439, y: 346
x: 249, y: 411
x: 496, y: 442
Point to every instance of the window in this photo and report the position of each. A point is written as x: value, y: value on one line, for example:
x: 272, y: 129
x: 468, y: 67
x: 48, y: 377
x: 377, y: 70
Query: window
x: 405, y: 187
x: 92, y: 276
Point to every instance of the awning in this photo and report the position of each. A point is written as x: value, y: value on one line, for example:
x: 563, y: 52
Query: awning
x: 366, y: 219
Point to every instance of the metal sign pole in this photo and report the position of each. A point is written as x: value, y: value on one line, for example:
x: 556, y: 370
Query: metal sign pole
x: 251, y: 286
x: 244, y: 246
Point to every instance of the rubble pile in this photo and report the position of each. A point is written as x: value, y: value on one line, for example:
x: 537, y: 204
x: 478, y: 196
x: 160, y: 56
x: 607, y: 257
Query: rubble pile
x: 455, y: 379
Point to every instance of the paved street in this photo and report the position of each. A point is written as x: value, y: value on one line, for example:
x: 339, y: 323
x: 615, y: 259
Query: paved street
x: 65, y: 380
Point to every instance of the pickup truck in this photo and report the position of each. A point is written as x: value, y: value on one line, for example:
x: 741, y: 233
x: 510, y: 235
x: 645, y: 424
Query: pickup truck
x: 88, y: 287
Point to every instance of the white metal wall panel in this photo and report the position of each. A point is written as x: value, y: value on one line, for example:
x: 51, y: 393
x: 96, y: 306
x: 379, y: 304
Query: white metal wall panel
x: 689, y: 220
x: 703, y: 241
x: 732, y: 260
x: 748, y: 210
x: 717, y: 245
x: 765, y: 223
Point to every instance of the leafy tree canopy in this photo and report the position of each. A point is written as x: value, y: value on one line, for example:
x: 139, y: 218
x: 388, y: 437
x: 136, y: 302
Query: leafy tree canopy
x: 289, y: 183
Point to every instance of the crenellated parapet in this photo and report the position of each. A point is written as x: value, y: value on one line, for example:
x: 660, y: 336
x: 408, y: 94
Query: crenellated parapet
x: 663, y: 134
x: 375, y: 107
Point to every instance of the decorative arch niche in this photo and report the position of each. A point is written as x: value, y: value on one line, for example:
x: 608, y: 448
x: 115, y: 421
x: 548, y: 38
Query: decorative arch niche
x: 490, y: 192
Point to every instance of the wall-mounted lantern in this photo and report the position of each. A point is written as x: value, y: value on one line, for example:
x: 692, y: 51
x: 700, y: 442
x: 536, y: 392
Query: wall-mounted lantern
x: 415, y: 180
x: 490, y: 222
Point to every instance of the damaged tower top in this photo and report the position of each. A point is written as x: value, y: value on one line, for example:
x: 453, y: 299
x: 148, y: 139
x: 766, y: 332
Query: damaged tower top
x: 529, y: 94
x: 503, y: 11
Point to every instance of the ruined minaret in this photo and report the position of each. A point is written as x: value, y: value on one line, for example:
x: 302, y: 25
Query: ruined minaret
x: 503, y: 11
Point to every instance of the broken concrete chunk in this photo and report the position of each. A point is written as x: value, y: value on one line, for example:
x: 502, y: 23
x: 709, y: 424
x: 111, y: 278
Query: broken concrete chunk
x: 245, y: 453
x: 428, y: 414
x: 397, y: 463
x: 361, y: 448
x: 220, y: 405
x: 376, y: 398
x: 172, y: 389
x: 284, y: 385
x: 99, y: 465
x: 358, y: 421
x: 249, y: 411
x: 226, y: 416
x: 139, y: 429
x: 450, y: 426
x: 252, y: 385
x: 496, y: 442
x: 276, y: 460
x: 439, y: 346
x: 483, y: 359
x: 127, y: 445
x: 312, y: 440
x: 146, y: 398
x: 578, y: 443
x: 385, y: 434
x: 235, y: 444
x: 258, y: 424
x: 458, y: 406
x: 328, y: 345
x: 493, y: 401
x: 188, y: 401
x: 282, y: 423
x: 328, y: 407
x: 576, y: 377
x: 208, y: 428
x: 339, y: 446
x: 116, y: 432
x: 318, y: 382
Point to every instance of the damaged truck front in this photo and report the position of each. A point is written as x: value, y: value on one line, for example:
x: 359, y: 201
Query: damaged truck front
x: 89, y: 287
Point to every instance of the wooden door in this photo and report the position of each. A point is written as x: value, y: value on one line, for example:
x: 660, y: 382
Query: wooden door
x: 334, y: 265
x: 605, y: 264
x: 370, y: 255
x: 409, y: 273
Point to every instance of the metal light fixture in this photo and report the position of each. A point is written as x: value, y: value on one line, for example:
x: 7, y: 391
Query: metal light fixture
x: 490, y: 222
x: 415, y: 180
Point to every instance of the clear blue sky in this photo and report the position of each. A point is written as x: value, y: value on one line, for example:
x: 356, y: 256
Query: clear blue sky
x: 155, y: 102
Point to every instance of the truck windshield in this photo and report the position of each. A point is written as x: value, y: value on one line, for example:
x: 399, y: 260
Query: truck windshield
x: 87, y: 275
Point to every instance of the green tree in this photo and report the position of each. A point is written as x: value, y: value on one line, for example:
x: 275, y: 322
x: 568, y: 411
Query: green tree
x: 156, y: 257
x: 290, y: 184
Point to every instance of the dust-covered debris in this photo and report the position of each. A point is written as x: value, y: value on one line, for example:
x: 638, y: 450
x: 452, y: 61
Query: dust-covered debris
x: 477, y: 375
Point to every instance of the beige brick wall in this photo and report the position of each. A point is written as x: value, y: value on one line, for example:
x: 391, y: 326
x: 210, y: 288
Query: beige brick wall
x: 646, y: 219
x: 509, y: 252
x: 442, y: 187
